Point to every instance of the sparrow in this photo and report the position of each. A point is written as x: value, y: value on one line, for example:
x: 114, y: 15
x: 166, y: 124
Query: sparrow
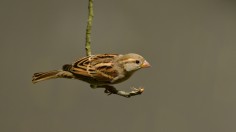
x: 98, y: 70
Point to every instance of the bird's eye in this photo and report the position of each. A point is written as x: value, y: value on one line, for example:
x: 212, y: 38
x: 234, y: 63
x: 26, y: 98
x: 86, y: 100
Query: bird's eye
x: 137, y: 62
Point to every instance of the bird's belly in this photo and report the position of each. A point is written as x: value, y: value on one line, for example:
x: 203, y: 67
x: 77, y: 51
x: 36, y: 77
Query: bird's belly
x: 126, y: 77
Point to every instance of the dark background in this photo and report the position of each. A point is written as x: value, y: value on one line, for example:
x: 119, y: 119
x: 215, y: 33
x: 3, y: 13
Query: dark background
x: 191, y: 86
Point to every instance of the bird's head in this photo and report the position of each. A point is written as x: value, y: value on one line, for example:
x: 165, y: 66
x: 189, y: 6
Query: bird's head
x: 133, y: 62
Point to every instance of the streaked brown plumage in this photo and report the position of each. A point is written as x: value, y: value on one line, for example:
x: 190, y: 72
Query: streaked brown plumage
x: 98, y: 70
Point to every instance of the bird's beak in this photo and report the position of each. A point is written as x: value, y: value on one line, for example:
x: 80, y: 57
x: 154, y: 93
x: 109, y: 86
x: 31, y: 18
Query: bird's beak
x: 145, y: 64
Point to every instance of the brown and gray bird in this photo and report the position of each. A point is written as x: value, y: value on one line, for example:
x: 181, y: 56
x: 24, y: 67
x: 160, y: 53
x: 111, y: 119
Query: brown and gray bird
x: 98, y: 70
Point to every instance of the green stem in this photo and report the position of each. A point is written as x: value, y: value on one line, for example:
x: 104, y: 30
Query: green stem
x: 89, y: 28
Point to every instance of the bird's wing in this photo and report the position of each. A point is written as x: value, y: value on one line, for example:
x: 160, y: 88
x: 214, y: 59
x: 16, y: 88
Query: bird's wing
x: 99, y: 67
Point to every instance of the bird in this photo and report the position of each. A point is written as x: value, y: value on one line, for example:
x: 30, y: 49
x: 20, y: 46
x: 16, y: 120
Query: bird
x: 98, y: 70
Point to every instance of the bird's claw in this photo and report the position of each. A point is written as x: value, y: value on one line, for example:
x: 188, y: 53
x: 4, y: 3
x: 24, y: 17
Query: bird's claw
x: 137, y: 90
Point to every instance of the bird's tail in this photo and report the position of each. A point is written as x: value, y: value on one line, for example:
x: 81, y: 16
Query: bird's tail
x: 41, y: 76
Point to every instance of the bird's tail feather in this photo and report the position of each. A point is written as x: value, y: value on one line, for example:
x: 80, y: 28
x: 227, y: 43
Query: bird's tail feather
x: 41, y: 76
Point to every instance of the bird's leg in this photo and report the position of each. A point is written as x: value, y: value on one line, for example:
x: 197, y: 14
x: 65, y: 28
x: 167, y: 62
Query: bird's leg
x: 109, y: 89
x: 112, y: 90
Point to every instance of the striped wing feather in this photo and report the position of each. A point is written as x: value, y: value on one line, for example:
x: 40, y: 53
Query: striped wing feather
x: 98, y: 67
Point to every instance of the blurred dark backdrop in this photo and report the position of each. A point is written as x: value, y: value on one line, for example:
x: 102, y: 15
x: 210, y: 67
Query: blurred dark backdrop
x: 190, y: 44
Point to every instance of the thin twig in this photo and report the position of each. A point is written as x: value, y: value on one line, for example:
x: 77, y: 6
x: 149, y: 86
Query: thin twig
x: 112, y: 90
x: 134, y: 92
x: 89, y: 28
